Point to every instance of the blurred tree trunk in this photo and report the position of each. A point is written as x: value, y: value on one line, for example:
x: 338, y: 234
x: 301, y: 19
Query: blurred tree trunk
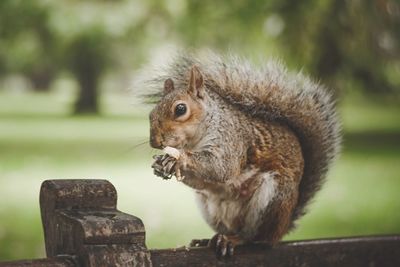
x: 41, y: 79
x: 87, y: 101
x: 88, y: 57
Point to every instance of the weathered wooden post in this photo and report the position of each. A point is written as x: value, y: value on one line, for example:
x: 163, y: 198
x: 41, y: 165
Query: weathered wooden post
x: 81, y: 220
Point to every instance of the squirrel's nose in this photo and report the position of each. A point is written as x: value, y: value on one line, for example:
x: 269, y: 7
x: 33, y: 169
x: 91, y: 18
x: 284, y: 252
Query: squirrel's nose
x: 155, y: 141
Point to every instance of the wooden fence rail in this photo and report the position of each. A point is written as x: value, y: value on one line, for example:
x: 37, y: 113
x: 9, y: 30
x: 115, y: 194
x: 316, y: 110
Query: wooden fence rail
x: 82, y: 227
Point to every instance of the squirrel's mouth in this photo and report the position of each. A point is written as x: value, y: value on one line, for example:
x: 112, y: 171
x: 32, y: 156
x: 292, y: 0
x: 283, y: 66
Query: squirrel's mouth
x: 161, y: 142
x: 156, y: 144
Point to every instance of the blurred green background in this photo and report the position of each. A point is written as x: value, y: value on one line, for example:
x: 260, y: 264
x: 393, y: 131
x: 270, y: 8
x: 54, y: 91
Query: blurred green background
x: 68, y: 107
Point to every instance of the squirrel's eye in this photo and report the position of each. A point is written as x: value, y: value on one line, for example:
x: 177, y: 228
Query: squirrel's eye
x: 180, y: 110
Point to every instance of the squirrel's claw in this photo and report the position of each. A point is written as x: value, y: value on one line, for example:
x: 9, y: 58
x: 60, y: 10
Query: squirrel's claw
x: 158, y: 170
x: 169, y: 166
x: 222, y: 246
x: 164, y: 166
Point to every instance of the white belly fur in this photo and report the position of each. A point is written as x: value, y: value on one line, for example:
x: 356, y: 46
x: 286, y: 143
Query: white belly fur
x: 222, y: 212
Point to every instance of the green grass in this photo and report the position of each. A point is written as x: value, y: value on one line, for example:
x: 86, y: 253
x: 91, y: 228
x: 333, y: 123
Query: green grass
x: 39, y: 140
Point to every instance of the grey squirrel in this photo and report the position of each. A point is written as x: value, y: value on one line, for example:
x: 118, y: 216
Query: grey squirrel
x: 254, y: 143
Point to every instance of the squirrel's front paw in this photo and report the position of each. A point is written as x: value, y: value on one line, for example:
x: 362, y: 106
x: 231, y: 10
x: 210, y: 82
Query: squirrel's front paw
x: 163, y: 166
x: 167, y: 165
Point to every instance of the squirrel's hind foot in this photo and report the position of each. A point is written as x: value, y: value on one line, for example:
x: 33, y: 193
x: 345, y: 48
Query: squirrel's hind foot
x: 224, y: 245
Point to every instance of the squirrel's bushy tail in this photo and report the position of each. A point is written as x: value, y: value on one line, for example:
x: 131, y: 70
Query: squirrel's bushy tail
x: 274, y: 93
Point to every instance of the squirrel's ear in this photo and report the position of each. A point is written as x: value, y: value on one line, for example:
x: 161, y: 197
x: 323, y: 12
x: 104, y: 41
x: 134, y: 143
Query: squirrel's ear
x: 196, y: 82
x: 168, y: 86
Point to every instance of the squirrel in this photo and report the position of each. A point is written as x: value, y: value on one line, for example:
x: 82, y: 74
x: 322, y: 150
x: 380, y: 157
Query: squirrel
x: 254, y: 143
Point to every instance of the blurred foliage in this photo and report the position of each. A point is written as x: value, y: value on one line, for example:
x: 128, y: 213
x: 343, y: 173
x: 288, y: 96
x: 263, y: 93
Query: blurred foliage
x: 28, y: 45
x: 337, y: 41
x: 41, y: 40
x: 344, y: 40
x: 347, y: 44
